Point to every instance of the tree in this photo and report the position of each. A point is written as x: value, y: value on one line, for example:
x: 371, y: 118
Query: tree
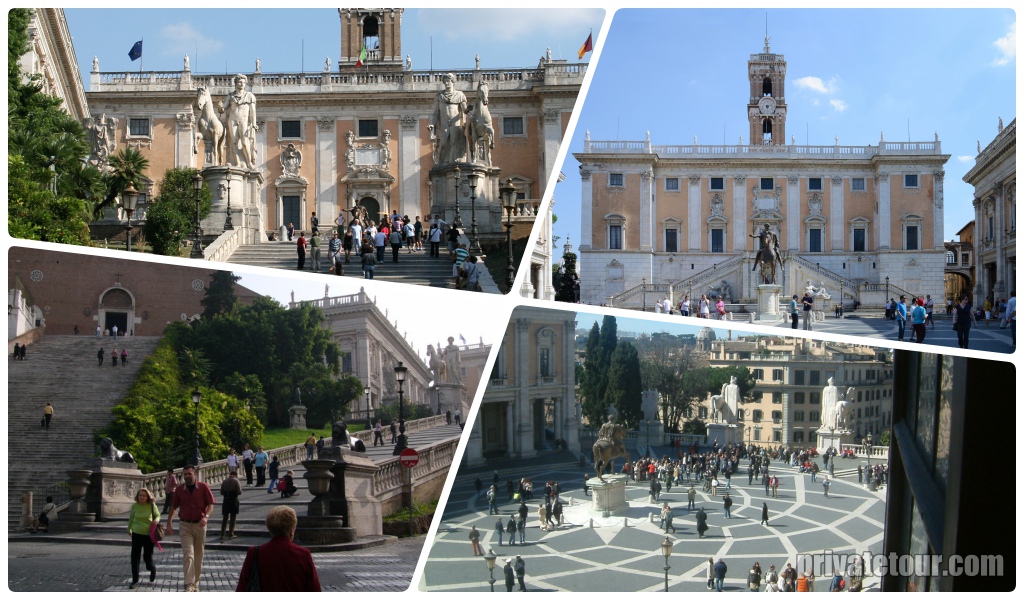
x: 567, y: 283
x: 624, y: 385
x: 672, y: 371
x: 695, y: 427
x: 127, y: 167
x: 171, y: 216
x: 220, y: 294
x: 721, y: 376
x: 591, y: 387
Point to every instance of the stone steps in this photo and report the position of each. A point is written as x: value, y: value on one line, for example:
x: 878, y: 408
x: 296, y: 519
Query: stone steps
x: 62, y: 370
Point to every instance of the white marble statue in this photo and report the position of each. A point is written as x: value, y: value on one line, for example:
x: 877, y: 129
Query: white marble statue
x: 240, y: 125
x: 327, y: 64
x: 103, y: 138
x: 257, y: 64
x: 186, y: 63
x: 435, y: 364
x: 408, y: 63
x: 835, y: 409
x: 477, y: 62
x: 480, y: 128
x: 95, y: 64
x: 209, y: 128
x: 447, y: 123
x: 728, y: 401
x: 452, y: 362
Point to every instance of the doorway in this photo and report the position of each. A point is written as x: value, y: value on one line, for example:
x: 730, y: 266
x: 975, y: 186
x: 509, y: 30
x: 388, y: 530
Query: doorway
x: 290, y: 212
x: 112, y: 318
x: 372, y: 208
x: 493, y: 418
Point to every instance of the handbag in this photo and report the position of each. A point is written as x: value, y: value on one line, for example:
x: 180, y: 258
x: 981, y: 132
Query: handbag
x: 253, y: 583
x: 157, y: 529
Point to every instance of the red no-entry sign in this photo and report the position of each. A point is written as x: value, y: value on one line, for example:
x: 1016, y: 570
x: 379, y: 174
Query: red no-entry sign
x: 409, y: 458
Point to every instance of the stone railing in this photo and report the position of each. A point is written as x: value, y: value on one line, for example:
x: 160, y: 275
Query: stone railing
x: 840, y: 282
x: 388, y: 481
x: 629, y: 297
x: 347, y: 300
x: 879, y: 452
x: 718, y: 151
x: 221, y: 249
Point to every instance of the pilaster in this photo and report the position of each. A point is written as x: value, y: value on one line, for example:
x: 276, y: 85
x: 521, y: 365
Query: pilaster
x: 587, y: 209
x: 646, y: 211
x: 408, y: 157
x: 326, y: 170
x: 837, y: 210
x: 693, y: 204
x: 883, y: 230
x: 793, y: 220
x: 739, y: 213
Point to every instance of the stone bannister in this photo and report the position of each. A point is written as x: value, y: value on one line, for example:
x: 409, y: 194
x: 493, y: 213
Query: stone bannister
x: 630, y: 297
x: 848, y: 286
x: 718, y: 151
x: 707, y: 275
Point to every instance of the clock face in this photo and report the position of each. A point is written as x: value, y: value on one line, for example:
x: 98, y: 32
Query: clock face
x: 767, y: 105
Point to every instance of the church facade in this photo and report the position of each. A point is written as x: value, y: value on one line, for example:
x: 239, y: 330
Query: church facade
x: 678, y: 219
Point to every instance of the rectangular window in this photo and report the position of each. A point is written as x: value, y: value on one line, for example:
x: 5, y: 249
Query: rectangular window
x: 965, y: 258
x: 346, y: 362
x: 615, y: 237
x: 776, y: 416
x: 758, y: 415
x: 512, y: 126
x: 798, y: 415
x: 291, y: 129
x: 776, y: 398
x: 767, y: 183
x: 798, y: 437
x: 138, y: 127
x: 672, y: 184
x: 777, y: 436
x: 815, y: 398
x: 545, y: 362
x: 615, y: 179
x: 798, y: 397
x: 859, y: 240
x: 815, y: 241
x: 777, y: 375
x: 814, y: 184
x: 757, y: 434
x: 815, y: 416
x: 798, y: 377
x: 717, y: 240
x: 716, y: 183
x: 368, y: 128
x: 702, y: 413
x: 815, y: 378
x: 759, y: 374
x: 857, y: 184
x: 912, y: 237
x: 741, y: 414
x: 671, y: 240
x: 910, y: 181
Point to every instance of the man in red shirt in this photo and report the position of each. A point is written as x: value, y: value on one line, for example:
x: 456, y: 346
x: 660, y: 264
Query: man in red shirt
x: 300, y: 247
x: 193, y: 502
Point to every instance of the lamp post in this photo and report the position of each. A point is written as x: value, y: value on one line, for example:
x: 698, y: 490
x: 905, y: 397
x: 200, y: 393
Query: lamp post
x: 489, y: 559
x: 840, y: 299
x: 438, y: 390
x: 886, y: 288
x: 197, y: 396
x: 458, y: 217
x: 401, y: 443
x: 227, y: 221
x: 369, y: 409
x: 197, y: 243
x: 129, y: 200
x: 666, y: 551
x: 508, y: 197
x: 474, y: 241
x: 647, y: 451
x: 867, y: 448
x: 643, y: 288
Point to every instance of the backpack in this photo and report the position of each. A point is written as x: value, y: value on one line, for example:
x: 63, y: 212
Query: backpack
x: 282, y: 485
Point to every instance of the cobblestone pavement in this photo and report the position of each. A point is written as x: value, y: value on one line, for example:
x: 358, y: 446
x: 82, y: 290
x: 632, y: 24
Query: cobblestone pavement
x: 48, y: 567
x: 988, y: 339
x: 624, y: 555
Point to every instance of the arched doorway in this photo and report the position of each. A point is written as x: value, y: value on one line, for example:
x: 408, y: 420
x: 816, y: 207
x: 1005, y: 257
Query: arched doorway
x: 117, y: 307
x: 372, y: 208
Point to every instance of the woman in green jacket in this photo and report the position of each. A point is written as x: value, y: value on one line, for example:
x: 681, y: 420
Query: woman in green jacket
x: 140, y: 520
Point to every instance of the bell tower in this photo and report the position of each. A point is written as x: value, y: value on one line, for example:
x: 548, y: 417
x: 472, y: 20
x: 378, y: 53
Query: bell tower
x: 379, y: 31
x: 766, y: 108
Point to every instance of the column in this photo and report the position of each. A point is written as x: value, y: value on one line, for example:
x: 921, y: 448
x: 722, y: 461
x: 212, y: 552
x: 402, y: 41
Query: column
x: 408, y: 170
x: 552, y: 139
x: 999, y: 286
x: 793, y: 216
x: 739, y: 213
x: 937, y: 213
x: 836, y: 217
x: 979, y: 243
x: 587, y: 209
x: 326, y: 175
x: 646, y: 211
x: 695, y: 229
x: 883, y: 232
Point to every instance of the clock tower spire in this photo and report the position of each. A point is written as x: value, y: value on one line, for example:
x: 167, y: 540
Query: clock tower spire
x: 766, y: 108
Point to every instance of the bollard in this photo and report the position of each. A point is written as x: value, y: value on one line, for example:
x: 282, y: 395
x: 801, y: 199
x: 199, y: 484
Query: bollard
x: 591, y: 522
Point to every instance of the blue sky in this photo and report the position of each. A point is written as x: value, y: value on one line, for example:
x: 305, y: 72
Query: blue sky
x: 587, y: 320
x: 229, y: 40
x: 851, y: 73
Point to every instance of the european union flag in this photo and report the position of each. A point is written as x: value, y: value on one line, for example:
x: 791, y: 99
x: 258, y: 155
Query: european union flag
x: 136, y: 52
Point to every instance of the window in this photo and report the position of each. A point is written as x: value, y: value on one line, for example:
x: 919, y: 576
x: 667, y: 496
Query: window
x: 910, y: 181
x: 858, y: 240
x: 672, y: 184
x: 138, y: 127
x: 615, y: 237
x: 291, y: 129
x: 368, y: 128
x: 815, y: 416
x: 777, y: 375
x: 950, y: 257
x: 776, y: 398
x: 757, y: 434
x: 798, y: 415
x: 759, y: 374
x: 716, y: 183
x: 545, y: 362
x: 912, y: 243
x: 671, y: 240
x: 815, y: 398
x: 767, y: 183
x: 346, y: 362
x: 814, y: 243
x: 776, y: 416
x: 857, y: 184
x: 717, y: 240
x: 757, y: 396
x: 702, y: 413
x: 688, y: 412
x: 498, y: 371
x: 615, y: 180
x: 814, y: 184
x: 798, y: 377
x: 512, y: 126
x: 740, y: 414
x: 965, y: 258
x: 798, y: 397
x: 758, y: 416
x: 777, y: 436
x: 798, y: 437
x: 815, y: 378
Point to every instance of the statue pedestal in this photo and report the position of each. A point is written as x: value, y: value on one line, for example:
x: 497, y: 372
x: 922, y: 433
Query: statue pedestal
x: 650, y: 434
x: 768, y: 302
x: 609, y: 496
x: 243, y: 186
x: 829, y: 438
x: 488, y: 200
x: 298, y: 416
x: 725, y: 433
x: 451, y: 396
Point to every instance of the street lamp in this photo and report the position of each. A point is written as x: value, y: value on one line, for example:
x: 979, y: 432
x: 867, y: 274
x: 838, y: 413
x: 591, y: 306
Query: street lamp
x: 474, y: 242
x: 401, y: 443
x: 129, y: 200
x: 197, y: 396
x: 197, y: 243
x: 643, y: 288
x: 647, y: 451
x: 886, y: 288
x: 227, y: 221
x: 840, y: 300
x: 458, y: 216
x: 489, y: 559
x: 666, y: 551
x: 867, y: 447
x: 508, y: 197
x: 369, y: 412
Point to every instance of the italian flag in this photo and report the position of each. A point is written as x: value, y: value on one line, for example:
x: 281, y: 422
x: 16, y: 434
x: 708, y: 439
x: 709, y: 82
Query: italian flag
x: 362, y: 57
x: 588, y: 46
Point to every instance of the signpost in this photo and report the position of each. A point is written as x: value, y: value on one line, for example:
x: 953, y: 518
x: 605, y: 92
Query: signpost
x: 409, y: 458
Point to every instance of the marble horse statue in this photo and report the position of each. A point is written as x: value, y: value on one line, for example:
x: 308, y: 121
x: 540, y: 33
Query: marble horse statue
x: 480, y: 128
x: 209, y: 128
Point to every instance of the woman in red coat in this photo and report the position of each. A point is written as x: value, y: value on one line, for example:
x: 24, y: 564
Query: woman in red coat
x: 283, y: 565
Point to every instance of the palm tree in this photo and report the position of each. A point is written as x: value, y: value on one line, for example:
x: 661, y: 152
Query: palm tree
x: 127, y: 167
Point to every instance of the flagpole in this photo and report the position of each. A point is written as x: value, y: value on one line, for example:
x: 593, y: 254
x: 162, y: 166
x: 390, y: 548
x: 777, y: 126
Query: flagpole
x: 140, y: 55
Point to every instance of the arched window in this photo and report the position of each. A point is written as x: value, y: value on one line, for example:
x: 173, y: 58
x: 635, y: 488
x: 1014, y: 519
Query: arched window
x: 371, y: 33
x: 766, y: 86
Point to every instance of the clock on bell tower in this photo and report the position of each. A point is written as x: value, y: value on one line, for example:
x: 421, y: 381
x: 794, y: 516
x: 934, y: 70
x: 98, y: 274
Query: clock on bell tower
x: 766, y: 108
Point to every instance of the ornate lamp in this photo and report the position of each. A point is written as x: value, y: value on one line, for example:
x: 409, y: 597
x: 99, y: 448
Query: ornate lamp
x: 129, y: 200
x: 508, y: 199
x: 666, y: 551
x: 197, y: 243
x: 401, y: 443
x: 197, y: 397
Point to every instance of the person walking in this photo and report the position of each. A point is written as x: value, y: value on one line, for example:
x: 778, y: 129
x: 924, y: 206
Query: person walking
x: 764, y: 514
x: 704, y: 310
x: 900, y: 313
x: 142, y: 516
x: 520, y: 569
x: 826, y: 484
x: 499, y: 530
x: 492, y: 500
x: 963, y: 319
x: 754, y: 578
x: 170, y: 484
x: 521, y: 524
x: 113, y: 357
x: 929, y: 307
x: 368, y: 260
x: 702, y: 522
x: 99, y: 355
x: 124, y: 355
x: 474, y: 538
x: 380, y: 241
x: 711, y: 573
x: 794, y: 312
x: 396, y: 244
x: 510, y: 575
x: 314, y: 248
x: 511, y: 530
x: 310, y: 446
x: 378, y: 433
x: 918, y: 317
x: 193, y: 502
x: 230, y: 489
x: 47, y: 415
x: 280, y: 565
x: 771, y: 580
x: 720, y: 570
x: 1010, y: 319
x: 300, y: 248
x: 274, y: 471
x: 667, y: 518
x: 691, y: 495
x: 808, y: 303
x: 727, y: 505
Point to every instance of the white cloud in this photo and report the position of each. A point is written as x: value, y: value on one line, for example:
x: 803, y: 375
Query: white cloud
x: 1007, y: 46
x: 816, y: 84
x: 839, y: 105
x: 184, y: 38
x: 504, y: 24
x: 964, y: 159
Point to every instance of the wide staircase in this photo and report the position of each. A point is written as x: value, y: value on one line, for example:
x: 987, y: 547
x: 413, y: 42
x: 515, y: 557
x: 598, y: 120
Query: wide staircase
x: 64, y: 371
x: 412, y: 267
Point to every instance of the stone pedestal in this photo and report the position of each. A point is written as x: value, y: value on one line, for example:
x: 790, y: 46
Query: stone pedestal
x: 297, y: 414
x: 768, y: 302
x: 488, y: 199
x: 609, y: 496
x: 111, y: 489
x: 351, y: 495
x: 320, y: 526
x: 828, y: 438
x: 725, y: 433
x: 452, y: 396
x: 243, y: 188
x: 650, y: 434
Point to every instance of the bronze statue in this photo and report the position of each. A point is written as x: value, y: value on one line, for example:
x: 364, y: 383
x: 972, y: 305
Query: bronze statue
x: 608, y: 446
x: 768, y: 254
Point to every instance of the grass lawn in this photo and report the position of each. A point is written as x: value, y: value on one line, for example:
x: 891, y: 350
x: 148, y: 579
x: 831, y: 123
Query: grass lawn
x: 281, y: 437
